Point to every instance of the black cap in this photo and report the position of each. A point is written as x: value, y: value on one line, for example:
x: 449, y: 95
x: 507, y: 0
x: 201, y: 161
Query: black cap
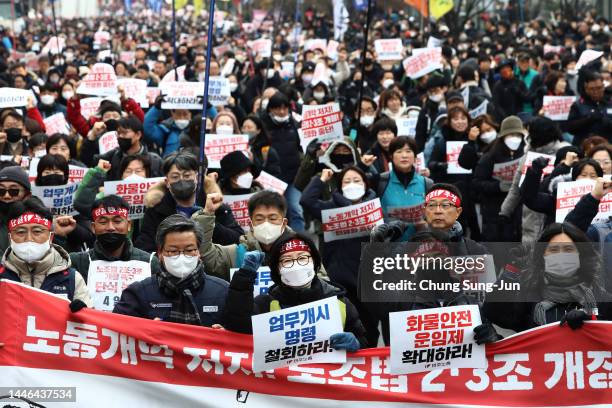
x: 17, y: 175
x: 234, y: 163
x: 277, y: 100
x: 435, y: 81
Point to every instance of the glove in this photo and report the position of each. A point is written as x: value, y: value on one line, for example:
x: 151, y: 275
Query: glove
x: 76, y: 305
x: 575, y: 318
x: 504, y: 186
x: 539, y: 163
x: 253, y: 260
x: 158, y: 101
x: 485, y: 333
x: 345, y: 341
x: 389, y: 232
x: 313, y: 148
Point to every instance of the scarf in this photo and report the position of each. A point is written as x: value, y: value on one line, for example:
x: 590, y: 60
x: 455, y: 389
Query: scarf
x: 556, y: 293
x: 184, y: 309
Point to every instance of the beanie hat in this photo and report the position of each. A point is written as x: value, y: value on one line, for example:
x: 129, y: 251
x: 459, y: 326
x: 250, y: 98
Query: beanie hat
x: 17, y: 175
x: 234, y: 163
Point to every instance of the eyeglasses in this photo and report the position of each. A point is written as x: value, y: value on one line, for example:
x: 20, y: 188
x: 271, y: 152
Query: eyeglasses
x: 186, y: 252
x: 13, y: 192
x: 433, y: 206
x: 185, y: 176
x: 301, y: 260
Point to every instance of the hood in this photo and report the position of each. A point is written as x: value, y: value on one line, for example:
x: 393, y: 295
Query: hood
x: 326, y: 160
x: 549, y: 148
x: 456, y: 232
x: 402, y: 111
x: 554, y: 182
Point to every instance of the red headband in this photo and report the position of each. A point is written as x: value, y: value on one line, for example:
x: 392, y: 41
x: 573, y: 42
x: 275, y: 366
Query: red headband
x: 440, y: 193
x: 109, y: 211
x: 295, y: 245
x: 29, y: 218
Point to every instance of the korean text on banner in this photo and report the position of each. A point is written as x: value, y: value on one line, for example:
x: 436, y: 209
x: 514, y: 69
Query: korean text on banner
x: 557, y: 107
x: 14, y: 97
x: 136, y: 89
x: 133, y: 192
x: 107, y: 142
x: 106, y: 280
x: 388, y: 49
x: 76, y: 173
x: 410, y: 215
x: 423, y: 62
x: 217, y: 146
x: 269, y: 182
x: 239, y: 205
x: 352, y: 221
x: 435, y: 339
x: 505, y: 171
x: 479, y: 110
x: 182, y: 95
x: 321, y: 122
x: 297, y: 335
x: 530, y: 157
x: 262, y: 47
x: 100, y: 81
x: 569, y: 193
x: 57, y: 198
x: 89, y: 106
x: 218, y: 90
x: 263, y: 280
x: 127, y: 361
x: 453, y: 149
x: 56, y: 123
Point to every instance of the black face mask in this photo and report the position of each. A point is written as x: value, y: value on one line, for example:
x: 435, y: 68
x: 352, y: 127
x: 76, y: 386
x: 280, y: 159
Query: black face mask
x: 341, y: 160
x: 13, y: 135
x: 124, y: 144
x: 368, y: 62
x: 183, y: 190
x: 51, y: 180
x: 111, y: 125
x: 111, y: 241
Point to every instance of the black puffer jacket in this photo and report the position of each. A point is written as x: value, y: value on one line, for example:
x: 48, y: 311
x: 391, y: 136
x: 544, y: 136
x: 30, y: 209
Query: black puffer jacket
x: 285, y: 140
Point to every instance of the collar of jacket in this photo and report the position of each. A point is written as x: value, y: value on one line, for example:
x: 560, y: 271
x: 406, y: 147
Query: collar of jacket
x: 56, y: 260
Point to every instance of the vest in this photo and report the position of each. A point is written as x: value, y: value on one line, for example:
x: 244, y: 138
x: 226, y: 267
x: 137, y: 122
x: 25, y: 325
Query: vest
x: 275, y: 306
x: 396, y: 195
x: 59, y: 283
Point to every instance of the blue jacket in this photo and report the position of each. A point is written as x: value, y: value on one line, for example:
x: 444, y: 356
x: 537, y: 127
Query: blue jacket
x: 396, y: 195
x: 60, y: 283
x: 165, y: 134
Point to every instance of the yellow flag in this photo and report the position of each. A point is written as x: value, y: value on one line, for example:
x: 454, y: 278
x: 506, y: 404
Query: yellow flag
x: 438, y: 8
x: 179, y: 4
x: 198, y: 5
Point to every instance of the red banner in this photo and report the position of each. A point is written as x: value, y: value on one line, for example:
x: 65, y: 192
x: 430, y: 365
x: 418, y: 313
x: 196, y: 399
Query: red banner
x: 102, y: 354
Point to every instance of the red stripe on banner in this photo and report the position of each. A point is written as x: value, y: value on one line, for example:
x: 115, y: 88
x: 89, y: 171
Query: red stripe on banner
x: 548, y: 366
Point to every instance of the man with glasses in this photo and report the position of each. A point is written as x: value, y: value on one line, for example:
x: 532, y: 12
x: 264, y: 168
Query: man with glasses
x: 129, y: 136
x: 14, y: 186
x: 33, y: 260
x: 111, y: 226
x: 591, y: 114
x: 180, y: 291
x: 181, y: 171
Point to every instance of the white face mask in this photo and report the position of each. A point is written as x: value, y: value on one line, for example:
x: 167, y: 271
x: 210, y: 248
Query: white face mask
x: 488, y: 137
x: 513, y: 142
x: 270, y: 74
x: 436, y: 98
x: 264, y: 104
x: 572, y: 72
x: 387, y: 83
x: 366, y: 120
x: 353, y: 191
x: 30, y: 251
x: 67, y: 95
x: 245, y: 180
x: 280, y: 119
x: 181, y: 123
x: 307, y: 79
x: 233, y: 86
x: 134, y: 177
x: 225, y: 130
x: 40, y: 153
x: 562, y: 265
x: 47, y: 99
x: 267, y: 232
x: 318, y: 95
x: 298, y: 275
x: 180, y: 265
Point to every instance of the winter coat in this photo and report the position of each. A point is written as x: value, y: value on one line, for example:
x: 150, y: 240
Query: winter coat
x: 285, y: 140
x: 427, y: 115
x: 509, y: 97
x: 83, y: 126
x: 90, y: 156
x: 164, y: 134
x: 589, y: 118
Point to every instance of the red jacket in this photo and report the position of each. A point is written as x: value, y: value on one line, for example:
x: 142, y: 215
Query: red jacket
x: 83, y: 126
x: 34, y: 114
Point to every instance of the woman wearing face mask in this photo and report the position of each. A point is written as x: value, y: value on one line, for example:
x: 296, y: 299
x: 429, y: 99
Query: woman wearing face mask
x: 391, y: 105
x: 237, y: 175
x: 294, y: 263
x: 491, y: 186
x: 318, y: 91
x: 560, y: 281
x: 264, y: 156
x: 457, y: 128
x: 225, y: 123
x: 72, y: 233
x: 67, y: 92
x: 234, y: 104
x: 480, y: 140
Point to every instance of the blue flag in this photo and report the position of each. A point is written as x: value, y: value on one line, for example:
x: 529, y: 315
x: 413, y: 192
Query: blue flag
x: 360, y: 5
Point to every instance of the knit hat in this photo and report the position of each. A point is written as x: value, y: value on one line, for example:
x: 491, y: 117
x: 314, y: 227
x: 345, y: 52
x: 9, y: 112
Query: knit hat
x: 17, y: 175
x: 234, y: 163
x: 435, y: 81
x: 511, y: 126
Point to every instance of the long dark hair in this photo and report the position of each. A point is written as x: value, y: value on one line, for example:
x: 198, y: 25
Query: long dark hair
x: 262, y: 139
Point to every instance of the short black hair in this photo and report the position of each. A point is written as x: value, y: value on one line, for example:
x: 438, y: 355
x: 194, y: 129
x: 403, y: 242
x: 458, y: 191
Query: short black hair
x: 31, y: 204
x: 401, y: 141
x: 51, y: 161
x: 448, y: 187
x: 177, y: 223
x: 384, y: 123
x: 267, y: 198
x: 131, y: 122
x: 144, y: 159
x: 110, y: 201
x: 38, y: 139
x: 182, y: 160
x: 108, y: 106
x: 577, y: 169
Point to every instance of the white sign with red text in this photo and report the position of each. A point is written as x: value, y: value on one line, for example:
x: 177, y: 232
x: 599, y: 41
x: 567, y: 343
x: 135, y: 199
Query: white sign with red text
x: 56, y: 123
x: 352, y: 221
x: 89, y: 106
x: 453, y: 149
x: 107, y: 142
x: 239, y: 205
x: 570, y: 192
x: 423, y: 61
x: 133, y: 192
x: 321, y: 122
x: 531, y: 156
x: 269, y: 182
x: 136, y: 89
x: 100, y: 81
x: 217, y: 146
x: 262, y: 47
x: 557, y: 107
x: 389, y: 49
x: 505, y: 171
x: 106, y: 280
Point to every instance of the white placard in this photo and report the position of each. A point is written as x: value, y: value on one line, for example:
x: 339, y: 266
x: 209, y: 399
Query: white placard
x: 423, y: 62
x: 412, y: 214
x: 90, y: 106
x: 57, y: 198
x: 182, y: 95
x: 56, y: 123
x: 505, y: 171
x: 389, y: 49
x: 352, y: 221
x: 530, y: 157
x: 132, y: 190
x: 55, y: 45
x: 218, y: 91
x: 406, y: 126
x: 100, y: 81
x: 587, y: 56
x: 453, y: 149
x: 297, y: 335
x: 107, y: 142
x: 321, y: 122
x: 435, y: 339
x: 106, y: 280
x: 14, y: 97
x: 239, y: 205
x: 570, y: 192
x: 136, y: 89
x: 557, y: 107
x: 315, y: 43
x: 269, y: 182
x: 173, y: 74
x: 217, y: 146
x: 262, y: 47
x: 263, y: 281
